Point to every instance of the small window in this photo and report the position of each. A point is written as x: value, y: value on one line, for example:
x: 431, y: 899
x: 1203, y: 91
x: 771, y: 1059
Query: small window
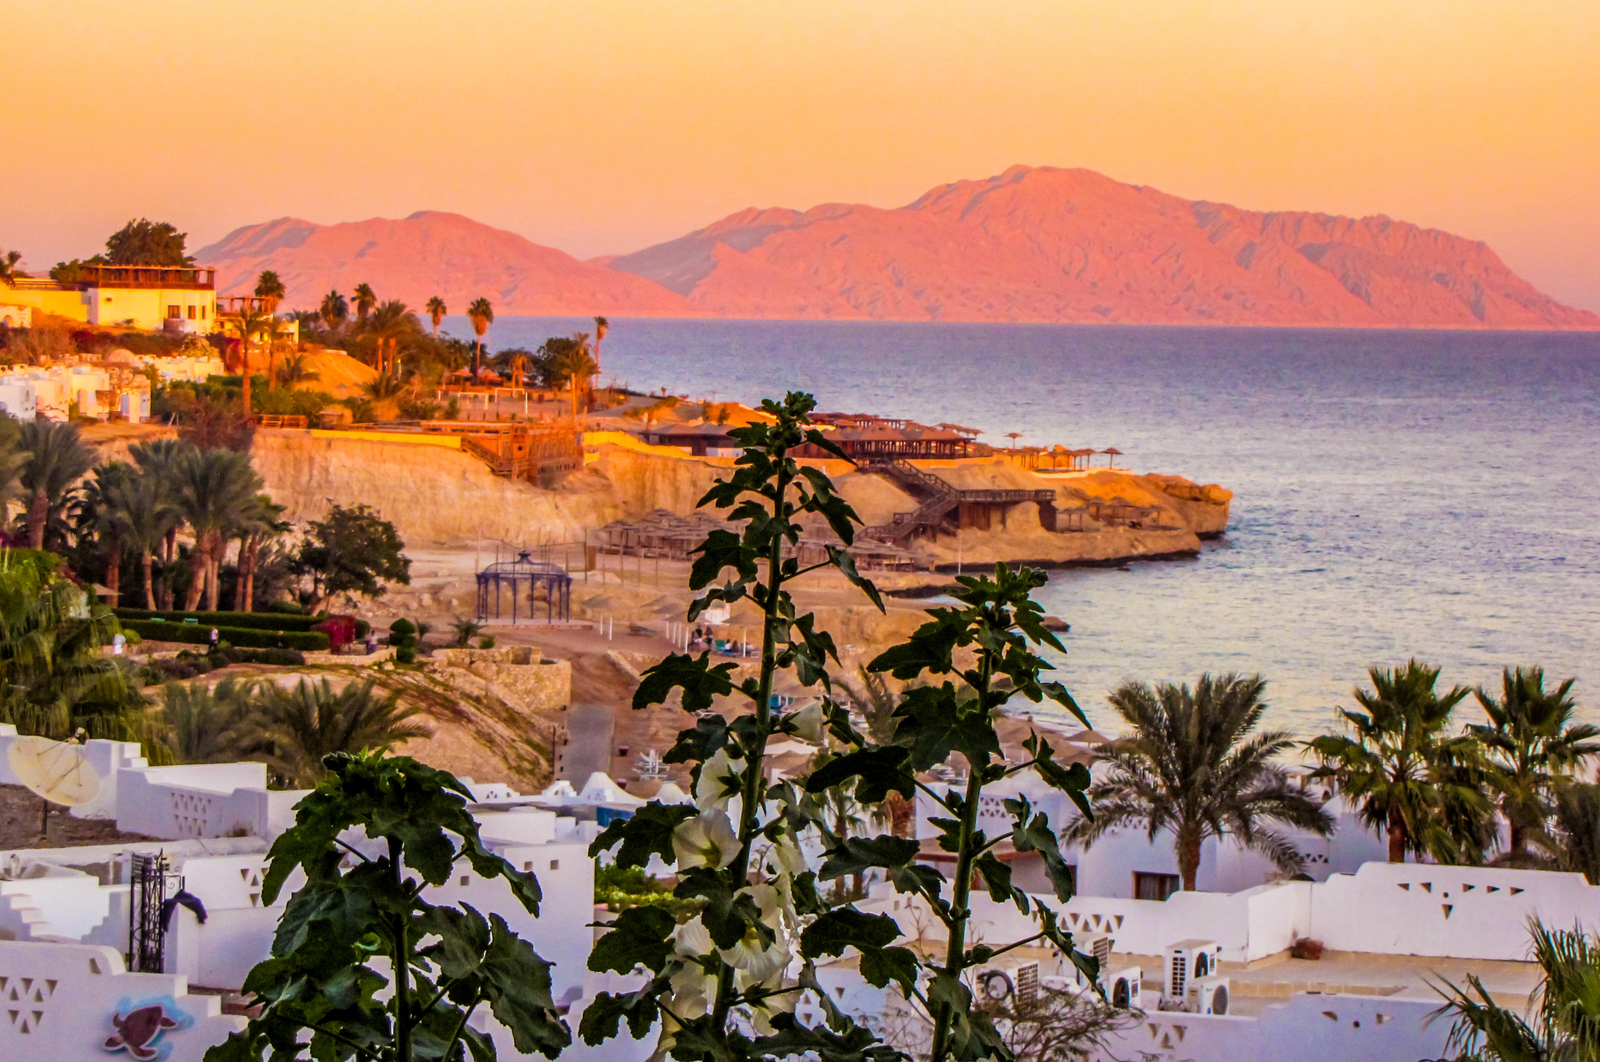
x: 555, y: 864
x: 174, y: 312
x: 1153, y: 886
x: 623, y: 751
x: 466, y: 879
x: 202, y: 311
x: 191, y: 312
x: 527, y: 868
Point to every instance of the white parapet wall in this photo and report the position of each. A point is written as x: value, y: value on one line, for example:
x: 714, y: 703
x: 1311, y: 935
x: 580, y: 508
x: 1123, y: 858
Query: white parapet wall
x: 203, y: 800
x: 77, y: 1003
x: 1382, y: 909
x: 1306, y: 1028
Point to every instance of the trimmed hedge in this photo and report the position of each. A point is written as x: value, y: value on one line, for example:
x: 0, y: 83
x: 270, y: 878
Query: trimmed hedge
x: 243, y: 637
x: 261, y: 621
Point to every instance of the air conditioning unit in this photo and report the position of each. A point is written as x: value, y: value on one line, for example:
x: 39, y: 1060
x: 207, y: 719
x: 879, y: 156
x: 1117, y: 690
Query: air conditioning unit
x: 1009, y: 985
x: 1068, y: 977
x: 1122, y: 988
x: 1207, y: 995
x: 1187, y: 960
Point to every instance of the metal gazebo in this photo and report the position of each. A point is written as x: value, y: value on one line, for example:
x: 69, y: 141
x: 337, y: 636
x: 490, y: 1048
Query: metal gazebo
x: 525, y: 575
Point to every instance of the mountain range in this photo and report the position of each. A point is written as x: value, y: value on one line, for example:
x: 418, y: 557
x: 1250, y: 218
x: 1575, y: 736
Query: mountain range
x: 1034, y: 244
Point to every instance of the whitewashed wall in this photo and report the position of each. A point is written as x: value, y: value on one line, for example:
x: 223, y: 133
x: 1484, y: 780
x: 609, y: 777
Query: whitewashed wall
x: 1307, y: 1028
x: 203, y: 800
x: 57, y: 1002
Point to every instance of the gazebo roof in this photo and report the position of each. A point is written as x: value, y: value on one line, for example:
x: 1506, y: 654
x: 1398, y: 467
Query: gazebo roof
x: 524, y: 565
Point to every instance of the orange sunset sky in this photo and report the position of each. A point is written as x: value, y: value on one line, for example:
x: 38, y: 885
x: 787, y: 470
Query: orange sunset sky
x: 602, y: 126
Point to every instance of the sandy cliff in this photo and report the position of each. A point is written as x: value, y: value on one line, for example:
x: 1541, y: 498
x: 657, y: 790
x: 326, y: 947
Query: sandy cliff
x: 438, y: 496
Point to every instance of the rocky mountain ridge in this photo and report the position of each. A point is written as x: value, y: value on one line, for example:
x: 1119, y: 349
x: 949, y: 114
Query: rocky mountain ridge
x: 1034, y: 244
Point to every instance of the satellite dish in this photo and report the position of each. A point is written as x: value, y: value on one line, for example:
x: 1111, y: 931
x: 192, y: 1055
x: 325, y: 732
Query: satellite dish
x: 55, y: 770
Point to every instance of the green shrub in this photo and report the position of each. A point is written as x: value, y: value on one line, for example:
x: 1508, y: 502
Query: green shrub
x: 409, y: 641
x: 405, y: 655
x: 363, y: 628
x: 263, y: 621
x: 486, y: 642
x: 131, y: 637
x: 402, y: 626
x: 244, y: 637
x: 286, y: 608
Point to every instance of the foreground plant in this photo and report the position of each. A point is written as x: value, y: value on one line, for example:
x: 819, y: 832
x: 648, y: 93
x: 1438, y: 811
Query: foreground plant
x: 360, y: 929
x: 724, y: 984
x: 1563, y: 1022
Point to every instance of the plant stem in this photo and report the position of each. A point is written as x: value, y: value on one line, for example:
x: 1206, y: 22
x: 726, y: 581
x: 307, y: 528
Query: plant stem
x: 955, y: 954
x: 739, y: 870
x: 402, y: 965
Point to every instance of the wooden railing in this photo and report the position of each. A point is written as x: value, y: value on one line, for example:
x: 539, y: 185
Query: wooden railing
x: 275, y: 420
x: 934, y: 511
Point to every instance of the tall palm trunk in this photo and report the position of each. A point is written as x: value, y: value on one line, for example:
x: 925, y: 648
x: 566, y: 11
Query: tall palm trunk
x: 1397, y: 839
x: 199, y: 565
x: 1188, y: 857
x: 38, y: 514
x: 114, y: 568
x: 245, y: 388
x: 250, y: 574
x: 146, y: 561
x: 214, y: 553
x: 169, y: 549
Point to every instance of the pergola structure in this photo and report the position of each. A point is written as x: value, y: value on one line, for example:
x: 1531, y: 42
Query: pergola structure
x: 525, y: 575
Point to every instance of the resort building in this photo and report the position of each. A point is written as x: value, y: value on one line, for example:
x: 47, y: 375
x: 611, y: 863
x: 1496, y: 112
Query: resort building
x: 174, y: 298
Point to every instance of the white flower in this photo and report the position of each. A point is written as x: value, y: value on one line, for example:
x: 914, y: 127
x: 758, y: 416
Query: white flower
x: 757, y: 959
x: 720, y: 780
x: 664, y: 1042
x: 786, y: 851
x: 761, y: 1013
x: 707, y: 840
x: 810, y: 723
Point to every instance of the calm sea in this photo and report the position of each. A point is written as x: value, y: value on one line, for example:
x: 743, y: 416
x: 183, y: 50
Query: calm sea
x: 1398, y: 494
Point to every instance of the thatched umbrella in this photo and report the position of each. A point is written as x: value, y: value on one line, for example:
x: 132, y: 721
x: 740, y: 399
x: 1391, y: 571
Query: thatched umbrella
x: 1113, y: 453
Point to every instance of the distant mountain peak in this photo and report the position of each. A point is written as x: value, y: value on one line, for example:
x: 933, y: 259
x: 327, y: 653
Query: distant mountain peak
x: 1033, y: 243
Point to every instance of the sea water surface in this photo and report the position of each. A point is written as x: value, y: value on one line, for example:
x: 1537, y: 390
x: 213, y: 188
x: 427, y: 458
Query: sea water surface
x: 1397, y: 493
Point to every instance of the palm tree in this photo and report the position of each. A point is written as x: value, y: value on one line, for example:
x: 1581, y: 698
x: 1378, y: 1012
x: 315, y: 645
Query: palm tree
x: 142, y: 510
x: 53, y: 677
x: 389, y: 324
x: 335, y: 310
x: 160, y: 460
x: 56, y: 459
x: 1531, y: 742
x: 270, y: 288
x: 1193, y: 768
x: 248, y: 324
x: 297, y: 369
x: 217, y: 492
x: 8, y: 266
x: 482, y: 316
x: 205, y: 724
x: 302, y: 725
x: 601, y: 327
x: 1411, y: 779
x: 98, y: 512
x: 466, y: 630
x: 277, y: 334
x: 436, y: 310
x: 365, y: 299
x: 1563, y: 1022
x: 1572, y: 837
x: 257, y: 521
x: 12, y: 458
